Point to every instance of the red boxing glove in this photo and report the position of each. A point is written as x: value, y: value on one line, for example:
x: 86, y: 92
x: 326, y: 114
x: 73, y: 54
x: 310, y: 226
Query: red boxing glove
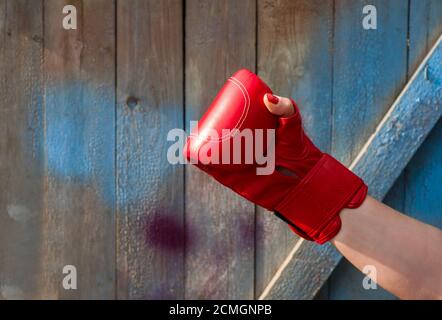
x: 310, y: 198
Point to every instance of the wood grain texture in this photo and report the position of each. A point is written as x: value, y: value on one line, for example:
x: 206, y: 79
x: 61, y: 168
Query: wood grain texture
x: 423, y: 176
x: 359, y: 102
x: 370, y: 68
x: 422, y: 188
x: 369, y: 71
x: 21, y: 148
x: 84, y: 178
x: 305, y: 272
x: 220, y: 39
x: 150, y: 228
x: 412, y: 117
x: 379, y: 163
x: 425, y: 25
x: 78, y: 223
x: 295, y: 59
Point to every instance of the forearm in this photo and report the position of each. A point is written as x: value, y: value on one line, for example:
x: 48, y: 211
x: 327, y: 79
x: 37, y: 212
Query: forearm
x: 407, y: 253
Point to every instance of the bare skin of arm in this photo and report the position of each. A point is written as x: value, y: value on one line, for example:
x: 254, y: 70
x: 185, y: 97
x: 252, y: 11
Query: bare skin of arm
x: 406, y: 253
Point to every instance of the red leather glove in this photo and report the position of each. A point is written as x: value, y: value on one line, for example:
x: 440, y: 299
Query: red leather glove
x: 310, y: 198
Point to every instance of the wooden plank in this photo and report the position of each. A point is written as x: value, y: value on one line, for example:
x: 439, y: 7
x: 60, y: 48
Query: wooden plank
x: 425, y: 25
x: 352, y: 288
x: 359, y: 102
x: 379, y: 163
x: 78, y: 224
x: 418, y: 108
x: 21, y: 148
x: 425, y: 28
x: 220, y: 38
x: 424, y: 174
x: 150, y: 228
x: 369, y: 71
x: 422, y: 188
x: 294, y: 58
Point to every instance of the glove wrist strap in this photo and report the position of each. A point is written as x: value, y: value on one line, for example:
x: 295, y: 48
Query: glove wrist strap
x: 313, y: 206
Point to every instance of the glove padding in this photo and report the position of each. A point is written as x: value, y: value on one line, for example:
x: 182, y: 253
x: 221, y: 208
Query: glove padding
x: 318, y: 187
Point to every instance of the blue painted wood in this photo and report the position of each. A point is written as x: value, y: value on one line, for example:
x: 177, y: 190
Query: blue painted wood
x: 422, y: 188
x: 150, y: 207
x: 78, y: 223
x: 425, y: 25
x: 379, y: 163
x: 413, y: 116
x: 351, y: 288
x: 423, y: 181
x: 369, y: 71
x: 361, y: 58
x: 295, y: 59
x: 426, y: 95
x: 67, y: 216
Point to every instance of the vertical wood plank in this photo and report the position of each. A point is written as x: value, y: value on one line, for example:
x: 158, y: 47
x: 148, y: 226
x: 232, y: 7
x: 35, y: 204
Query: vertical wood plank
x: 422, y: 187
x: 425, y: 27
x: 220, y: 38
x: 295, y: 59
x: 21, y: 148
x: 408, y: 194
x: 150, y: 232
x: 369, y: 70
x: 422, y: 184
x: 78, y: 222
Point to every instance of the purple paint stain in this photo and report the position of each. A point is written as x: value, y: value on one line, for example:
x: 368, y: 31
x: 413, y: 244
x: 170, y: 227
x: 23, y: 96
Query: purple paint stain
x: 160, y: 294
x: 165, y: 231
x: 245, y: 228
x: 247, y: 232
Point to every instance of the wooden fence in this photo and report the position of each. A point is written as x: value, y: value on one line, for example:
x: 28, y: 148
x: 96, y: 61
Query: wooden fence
x: 84, y: 117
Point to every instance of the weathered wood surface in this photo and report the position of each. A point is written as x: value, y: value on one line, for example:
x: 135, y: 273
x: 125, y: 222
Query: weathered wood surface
x: 421, y: 185
x: 425, y: 25
x: 294, y: 58
x: 150, y: 223
x: 423, y: 178
x: 220, y: 225
x: 404, y: 128
x: 369, y: 70
x: 379, y: 163
x: 78, y: 223
x: 21, y: 148
x: 359, y: 99
x: 84, y: 116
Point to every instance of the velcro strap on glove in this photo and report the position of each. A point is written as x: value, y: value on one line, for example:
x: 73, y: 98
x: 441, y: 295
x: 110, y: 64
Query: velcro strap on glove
x: 313, y: 206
